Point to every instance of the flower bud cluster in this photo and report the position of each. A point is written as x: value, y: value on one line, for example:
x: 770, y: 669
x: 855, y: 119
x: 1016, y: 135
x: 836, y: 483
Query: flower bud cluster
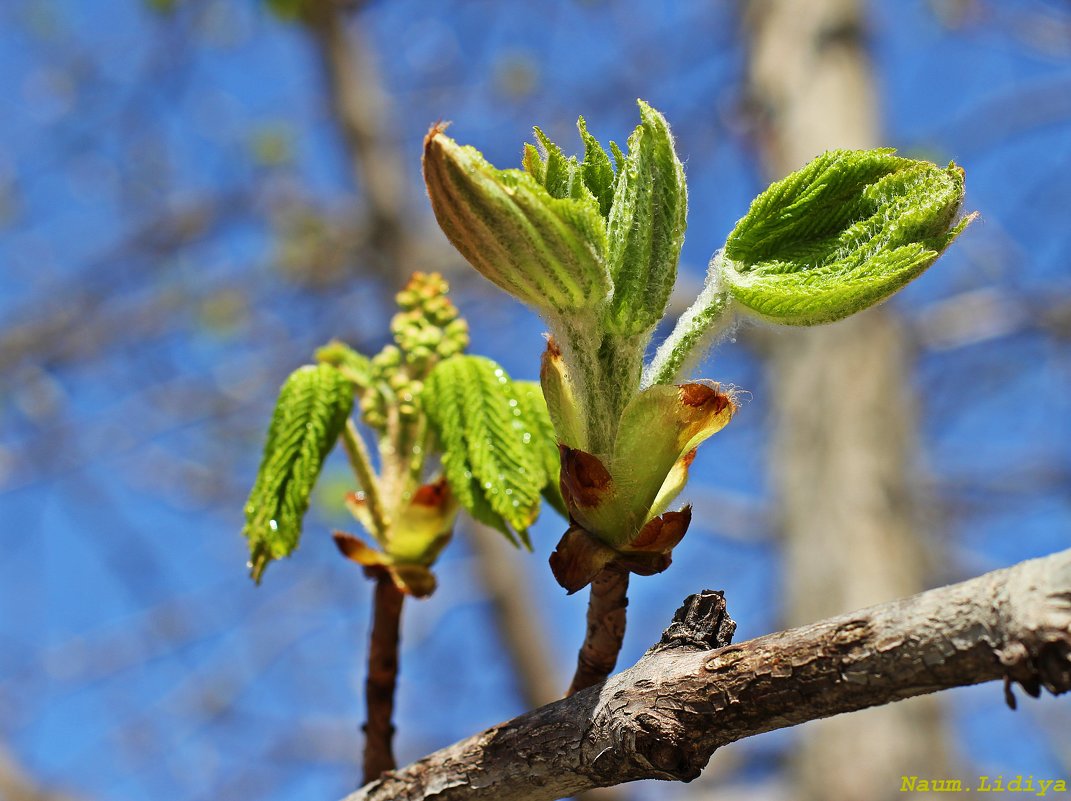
x: 384, y: 364
x: 427, y: 327
x: 427, y: 330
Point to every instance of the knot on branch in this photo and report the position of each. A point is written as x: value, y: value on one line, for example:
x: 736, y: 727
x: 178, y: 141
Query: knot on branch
x: 701, y: 624
x: 660, y: 745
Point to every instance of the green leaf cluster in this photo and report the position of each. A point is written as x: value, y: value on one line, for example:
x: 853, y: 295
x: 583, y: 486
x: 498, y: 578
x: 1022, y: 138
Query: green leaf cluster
x: 495, y: 439
x: 421, y: 398
x: 547, y: 251
x: 310, y: 412
x: 593, y: 245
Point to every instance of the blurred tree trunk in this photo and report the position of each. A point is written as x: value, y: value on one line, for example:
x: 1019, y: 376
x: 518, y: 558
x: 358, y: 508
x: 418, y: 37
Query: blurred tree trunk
x: 843, y: 449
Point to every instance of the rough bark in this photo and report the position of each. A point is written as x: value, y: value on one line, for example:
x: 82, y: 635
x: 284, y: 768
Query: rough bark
x: 382, y: 677
x: 844, y: 422
x: 607, y: 606
x: 665, y: 716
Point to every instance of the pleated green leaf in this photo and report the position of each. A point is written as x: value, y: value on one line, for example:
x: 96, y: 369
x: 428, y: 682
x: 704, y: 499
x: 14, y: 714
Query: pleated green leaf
x: 309, y: 415
x: 493, y: 455
x: 444, y: 403
x: 646, y: 226
x: 536, y: 234
x: 845, y: 232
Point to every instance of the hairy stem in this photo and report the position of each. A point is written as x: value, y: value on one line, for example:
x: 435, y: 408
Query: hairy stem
x: 709, y: 319
x: 605, y: 372
x: 382, y: 677
x: 606, y: 628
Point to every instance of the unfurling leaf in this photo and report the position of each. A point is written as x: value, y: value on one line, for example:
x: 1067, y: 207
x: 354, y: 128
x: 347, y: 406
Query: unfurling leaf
x: 309, y: 415
x: 493, y: 454
x: 538, y: 236
x: 845, y: 232
x: 596, y: 169
x: 646, y: 226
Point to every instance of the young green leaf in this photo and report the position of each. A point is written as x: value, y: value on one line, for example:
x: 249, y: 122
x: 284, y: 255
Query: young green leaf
x: 548, y: 251
x: 310, y: 413
x: 646, y: 226
x: 491, y: 454
x: 845, y: 232
x: 559, y: 173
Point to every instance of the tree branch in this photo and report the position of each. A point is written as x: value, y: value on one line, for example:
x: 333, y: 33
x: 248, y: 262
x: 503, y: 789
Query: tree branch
x: 665, y: 716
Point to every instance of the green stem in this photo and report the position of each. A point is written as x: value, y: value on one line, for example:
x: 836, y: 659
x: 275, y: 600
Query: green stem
x: 606, y: 375
x: 361, y: 463
x: 418, y: 451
